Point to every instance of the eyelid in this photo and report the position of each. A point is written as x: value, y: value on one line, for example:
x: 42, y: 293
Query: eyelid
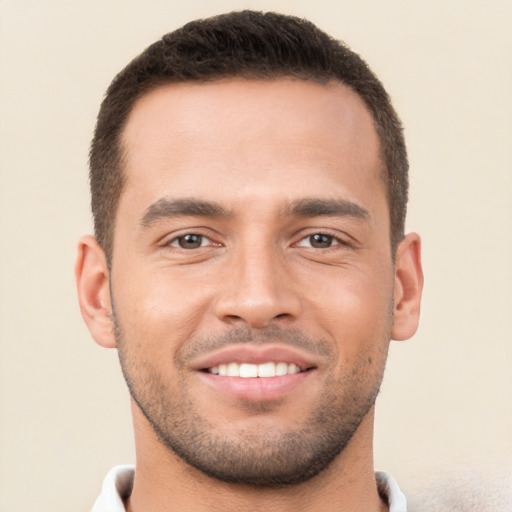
x: 336, y: 236
x: 172, y: 238
x: 174, y: 242
x: 335, y: 241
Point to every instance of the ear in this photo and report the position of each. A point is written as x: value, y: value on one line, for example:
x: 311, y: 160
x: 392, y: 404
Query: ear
x: 92, y: 281
x: 408, y: 287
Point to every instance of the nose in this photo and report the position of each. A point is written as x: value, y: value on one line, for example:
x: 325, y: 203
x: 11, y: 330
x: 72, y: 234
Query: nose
x: 258, y: 290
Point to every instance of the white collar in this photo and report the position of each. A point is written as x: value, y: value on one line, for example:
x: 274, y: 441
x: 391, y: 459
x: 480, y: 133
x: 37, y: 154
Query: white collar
x: 118, y: 484
x: 388, y: 488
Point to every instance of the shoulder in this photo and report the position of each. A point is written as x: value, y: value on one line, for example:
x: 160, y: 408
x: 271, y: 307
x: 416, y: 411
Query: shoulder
x: 468, y: 488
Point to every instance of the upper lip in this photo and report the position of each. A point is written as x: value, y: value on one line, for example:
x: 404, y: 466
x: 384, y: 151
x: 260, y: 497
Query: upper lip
x: 256, y: 354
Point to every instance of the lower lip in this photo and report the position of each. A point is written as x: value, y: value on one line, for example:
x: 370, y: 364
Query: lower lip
x: 256, y: 389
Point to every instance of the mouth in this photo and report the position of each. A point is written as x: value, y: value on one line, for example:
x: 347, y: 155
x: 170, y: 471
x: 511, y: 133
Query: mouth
x: 263, y: 371
x: 256, y: 373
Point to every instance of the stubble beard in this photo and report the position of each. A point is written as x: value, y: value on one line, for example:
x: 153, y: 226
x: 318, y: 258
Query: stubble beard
x: 255, y: 457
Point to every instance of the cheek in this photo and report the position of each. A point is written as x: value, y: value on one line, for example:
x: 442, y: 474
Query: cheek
x: 157, y: 308
x: 353, y: 307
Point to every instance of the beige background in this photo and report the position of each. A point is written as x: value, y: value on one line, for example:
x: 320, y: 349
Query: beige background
x: 447, y: 398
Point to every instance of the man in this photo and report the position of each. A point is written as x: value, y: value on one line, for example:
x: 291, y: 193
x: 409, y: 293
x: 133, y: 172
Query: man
x: 249, y: 185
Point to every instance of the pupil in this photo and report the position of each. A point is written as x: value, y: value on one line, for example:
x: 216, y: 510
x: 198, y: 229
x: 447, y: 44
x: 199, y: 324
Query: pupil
x: 190, y: 241
x: 321, y: 241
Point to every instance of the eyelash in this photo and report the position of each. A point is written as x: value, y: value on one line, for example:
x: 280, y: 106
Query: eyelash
x: 333, y: 241
x: 175, y: 242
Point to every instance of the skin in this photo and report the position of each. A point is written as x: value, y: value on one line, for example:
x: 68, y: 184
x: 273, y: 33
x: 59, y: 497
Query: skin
x: 256, y: 149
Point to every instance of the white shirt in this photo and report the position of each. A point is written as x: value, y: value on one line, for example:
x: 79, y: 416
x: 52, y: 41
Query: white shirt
x: 119, y: 481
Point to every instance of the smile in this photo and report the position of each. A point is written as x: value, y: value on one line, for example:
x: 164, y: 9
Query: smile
x: 247, y: 370
x: 256, y: 372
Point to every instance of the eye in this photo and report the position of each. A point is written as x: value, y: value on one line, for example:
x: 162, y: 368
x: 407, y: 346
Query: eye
x: 318, y: 241
x: 190, y: 241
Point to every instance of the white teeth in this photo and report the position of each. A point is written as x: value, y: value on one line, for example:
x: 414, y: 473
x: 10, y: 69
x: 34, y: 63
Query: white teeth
x: 281, y: 369
x: 233, y: 370
x: 246, y: 370
x: 267, y: 370
x: 293, y: 368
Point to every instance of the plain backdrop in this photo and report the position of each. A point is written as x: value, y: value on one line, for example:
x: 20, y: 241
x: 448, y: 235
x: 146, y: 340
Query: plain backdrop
x: 446, y: 402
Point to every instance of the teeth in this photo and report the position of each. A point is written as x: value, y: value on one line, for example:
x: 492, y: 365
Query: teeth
x: 267, y: 370
x: 233, y: 370
x: 293, y: 368
x: 247, y: 370
x: 281, y: 369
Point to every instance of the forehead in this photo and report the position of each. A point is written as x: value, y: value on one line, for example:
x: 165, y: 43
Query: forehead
x: 271, y: 137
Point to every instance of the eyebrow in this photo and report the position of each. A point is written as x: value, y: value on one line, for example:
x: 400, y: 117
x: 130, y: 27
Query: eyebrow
x: 165, y: 208
x: 326, y: 207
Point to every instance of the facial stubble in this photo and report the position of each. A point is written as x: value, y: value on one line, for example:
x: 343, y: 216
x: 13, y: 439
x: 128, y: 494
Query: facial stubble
x: 258, y: 457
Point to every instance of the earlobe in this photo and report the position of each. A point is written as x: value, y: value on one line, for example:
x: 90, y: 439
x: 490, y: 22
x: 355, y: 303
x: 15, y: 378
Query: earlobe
x: 408, y: 288
x: 92, y: 281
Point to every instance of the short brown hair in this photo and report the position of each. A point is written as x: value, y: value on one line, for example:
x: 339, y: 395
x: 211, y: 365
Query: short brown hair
x: 250, y: 45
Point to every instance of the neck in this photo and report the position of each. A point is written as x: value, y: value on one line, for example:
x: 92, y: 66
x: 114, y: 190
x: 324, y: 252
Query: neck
x: 165, y: 483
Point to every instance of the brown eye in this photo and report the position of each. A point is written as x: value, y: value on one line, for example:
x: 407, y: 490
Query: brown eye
x: 190, y: 241
x: 320, y: 241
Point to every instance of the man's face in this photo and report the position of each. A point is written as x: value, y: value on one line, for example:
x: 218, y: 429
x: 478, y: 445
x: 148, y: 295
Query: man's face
x: 253, y: 236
